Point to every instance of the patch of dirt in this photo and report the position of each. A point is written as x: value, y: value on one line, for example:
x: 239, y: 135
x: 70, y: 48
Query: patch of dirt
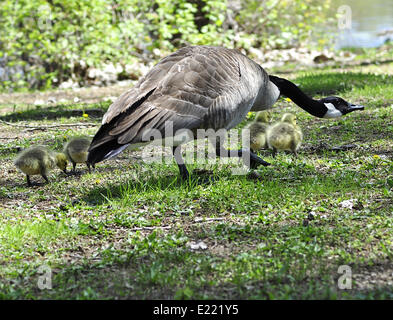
x: 373, y: 278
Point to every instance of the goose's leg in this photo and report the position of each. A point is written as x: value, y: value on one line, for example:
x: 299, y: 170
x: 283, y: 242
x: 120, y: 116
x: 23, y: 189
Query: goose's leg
x: 180, y: 162
x: 28, y: 180
x: 46, y: 178
x: 73, y: 167
x: 255, y: 161
x: 88, y: 166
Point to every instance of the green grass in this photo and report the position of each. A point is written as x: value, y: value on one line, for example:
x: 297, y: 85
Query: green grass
x: 125, y: 230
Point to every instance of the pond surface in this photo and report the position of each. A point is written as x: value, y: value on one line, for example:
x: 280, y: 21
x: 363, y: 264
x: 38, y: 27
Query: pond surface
x: 372, y: 23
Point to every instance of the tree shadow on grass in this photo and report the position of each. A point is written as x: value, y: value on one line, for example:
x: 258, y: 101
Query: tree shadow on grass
x: 52, y: 113
x: 170, y: 181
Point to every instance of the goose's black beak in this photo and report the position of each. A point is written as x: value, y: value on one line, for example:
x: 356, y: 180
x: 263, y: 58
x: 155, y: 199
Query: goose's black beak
x: 352, y: 107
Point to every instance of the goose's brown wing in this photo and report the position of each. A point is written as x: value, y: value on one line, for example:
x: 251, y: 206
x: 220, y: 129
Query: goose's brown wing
x: 186, y: 88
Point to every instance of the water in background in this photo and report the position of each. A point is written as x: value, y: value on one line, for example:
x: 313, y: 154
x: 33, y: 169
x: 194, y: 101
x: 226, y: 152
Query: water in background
x: 372, y: 23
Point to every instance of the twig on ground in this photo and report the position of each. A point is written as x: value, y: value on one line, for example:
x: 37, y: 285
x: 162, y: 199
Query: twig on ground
x: 150, y: 228
x: 45, y: 127
x: 197, y: 220
x: 200, y: 220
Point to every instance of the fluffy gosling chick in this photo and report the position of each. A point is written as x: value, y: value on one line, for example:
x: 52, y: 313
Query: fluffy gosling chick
x: 258, y: 130
x: 38, y: 160
x: 76, y: 151
x: 284, y: 135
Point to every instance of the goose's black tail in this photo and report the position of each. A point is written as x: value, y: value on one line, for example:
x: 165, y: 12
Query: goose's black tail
x: 104, y: 146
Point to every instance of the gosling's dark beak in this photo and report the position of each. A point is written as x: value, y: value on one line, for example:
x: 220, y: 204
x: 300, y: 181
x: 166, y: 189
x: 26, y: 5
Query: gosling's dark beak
x: 352, y: 107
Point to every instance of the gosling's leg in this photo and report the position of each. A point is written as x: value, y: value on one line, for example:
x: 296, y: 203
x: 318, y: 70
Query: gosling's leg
x: 293, y: 148
x: 90, y: 165
x: 180, y: 162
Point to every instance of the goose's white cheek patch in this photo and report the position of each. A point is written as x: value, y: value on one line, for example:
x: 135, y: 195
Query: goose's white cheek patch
x: 332, y: 111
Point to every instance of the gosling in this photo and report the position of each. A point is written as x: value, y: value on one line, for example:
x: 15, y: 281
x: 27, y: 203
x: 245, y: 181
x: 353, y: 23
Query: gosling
x: 76, y: 151
x: 38, y: 160
x: 258, y: 130
x: 284, y: 135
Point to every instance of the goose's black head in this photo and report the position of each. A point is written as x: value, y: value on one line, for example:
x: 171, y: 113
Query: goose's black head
x: 337, y: 107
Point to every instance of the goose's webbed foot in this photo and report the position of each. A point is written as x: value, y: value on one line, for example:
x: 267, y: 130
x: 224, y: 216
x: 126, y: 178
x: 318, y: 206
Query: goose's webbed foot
x: 256, y: 161
x: 203, y: 176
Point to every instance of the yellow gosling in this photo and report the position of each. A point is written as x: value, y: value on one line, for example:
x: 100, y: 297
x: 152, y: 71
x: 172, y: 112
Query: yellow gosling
x: 76, y: 151
x: 38, y: 160
x: 258, y: 130
x: 284, y: 135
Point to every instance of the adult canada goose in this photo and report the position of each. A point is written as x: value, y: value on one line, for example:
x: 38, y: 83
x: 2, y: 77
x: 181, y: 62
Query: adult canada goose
x: 198, y: 87
x: 284, y: 135
x: 38, y: 160
x: 76, y: 150
x: 258, y: 130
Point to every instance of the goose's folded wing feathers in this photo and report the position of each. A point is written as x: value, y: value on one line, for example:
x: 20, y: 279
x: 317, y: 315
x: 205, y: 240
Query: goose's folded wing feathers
x: 184, y: 88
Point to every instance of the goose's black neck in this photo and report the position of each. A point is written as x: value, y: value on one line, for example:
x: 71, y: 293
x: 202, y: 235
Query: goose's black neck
x: 290, y: 90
